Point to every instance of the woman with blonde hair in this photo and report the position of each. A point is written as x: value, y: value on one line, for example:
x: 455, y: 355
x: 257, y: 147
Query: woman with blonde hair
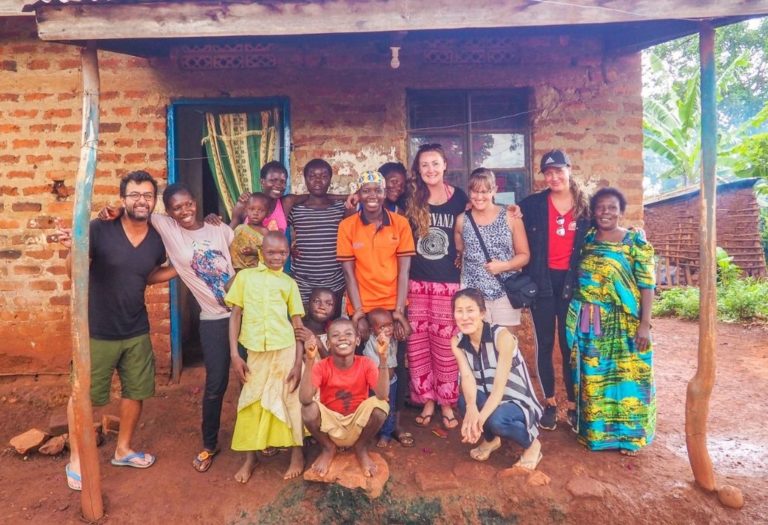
x: 488, y: 227
x: 556, y: 221
x: 432, y: 206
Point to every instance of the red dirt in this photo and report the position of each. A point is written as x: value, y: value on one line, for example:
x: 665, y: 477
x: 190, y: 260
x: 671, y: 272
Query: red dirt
x: 656, y: 487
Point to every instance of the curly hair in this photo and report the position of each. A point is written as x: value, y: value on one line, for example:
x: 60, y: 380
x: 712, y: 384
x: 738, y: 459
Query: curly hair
x: 417, y: 202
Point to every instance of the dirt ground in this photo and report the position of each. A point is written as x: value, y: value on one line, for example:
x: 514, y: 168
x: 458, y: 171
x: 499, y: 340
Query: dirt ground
x: 655, y: 487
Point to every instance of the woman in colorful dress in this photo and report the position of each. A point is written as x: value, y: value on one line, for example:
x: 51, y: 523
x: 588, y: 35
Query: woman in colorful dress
x: 609, y: 333
x: 432, y: 206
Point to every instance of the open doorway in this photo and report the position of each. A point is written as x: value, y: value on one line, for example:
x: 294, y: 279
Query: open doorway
x: 188, y: 163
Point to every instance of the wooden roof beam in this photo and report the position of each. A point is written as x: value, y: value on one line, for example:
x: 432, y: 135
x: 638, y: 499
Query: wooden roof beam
x: 75, y: 21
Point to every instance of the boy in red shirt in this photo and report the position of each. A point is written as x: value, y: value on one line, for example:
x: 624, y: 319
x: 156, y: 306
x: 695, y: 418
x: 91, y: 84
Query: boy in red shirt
x: 344, y: 415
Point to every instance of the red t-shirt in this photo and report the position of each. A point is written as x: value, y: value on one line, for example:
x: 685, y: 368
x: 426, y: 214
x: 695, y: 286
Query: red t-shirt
x: 343, y: 390
x: 560, y: 246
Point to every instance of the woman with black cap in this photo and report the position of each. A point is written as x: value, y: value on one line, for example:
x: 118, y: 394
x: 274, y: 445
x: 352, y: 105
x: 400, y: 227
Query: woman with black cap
x: 556, y: 221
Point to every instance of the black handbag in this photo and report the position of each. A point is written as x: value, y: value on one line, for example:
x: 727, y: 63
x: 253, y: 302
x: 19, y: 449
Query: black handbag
x: 520, y: 289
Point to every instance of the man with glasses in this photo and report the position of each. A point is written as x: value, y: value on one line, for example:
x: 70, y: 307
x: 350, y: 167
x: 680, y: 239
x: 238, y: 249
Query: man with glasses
x: 125, y: 256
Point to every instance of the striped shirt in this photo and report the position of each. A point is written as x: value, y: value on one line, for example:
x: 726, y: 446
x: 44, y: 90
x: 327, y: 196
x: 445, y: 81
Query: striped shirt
x: 315, y: 231
x: 518, y: 389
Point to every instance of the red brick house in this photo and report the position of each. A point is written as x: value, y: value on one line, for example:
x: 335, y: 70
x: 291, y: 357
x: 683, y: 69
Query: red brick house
x: 497, y: 82
x: 673, y: 227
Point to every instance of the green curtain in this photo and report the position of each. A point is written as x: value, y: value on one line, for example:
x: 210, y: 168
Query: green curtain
x: 237, y: 145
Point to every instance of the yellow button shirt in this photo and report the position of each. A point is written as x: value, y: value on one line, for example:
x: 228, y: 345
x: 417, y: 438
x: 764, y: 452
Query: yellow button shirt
x: 269, y: 298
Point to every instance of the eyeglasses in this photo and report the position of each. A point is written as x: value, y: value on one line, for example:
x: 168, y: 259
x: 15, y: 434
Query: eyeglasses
x: 134, y: 196
x: 560, y: 221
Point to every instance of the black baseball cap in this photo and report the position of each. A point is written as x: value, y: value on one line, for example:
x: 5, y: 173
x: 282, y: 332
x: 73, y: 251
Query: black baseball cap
x: 555, y: 159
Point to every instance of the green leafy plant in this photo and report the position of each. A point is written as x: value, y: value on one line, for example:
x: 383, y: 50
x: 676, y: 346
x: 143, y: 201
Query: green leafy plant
x: 738, y: 299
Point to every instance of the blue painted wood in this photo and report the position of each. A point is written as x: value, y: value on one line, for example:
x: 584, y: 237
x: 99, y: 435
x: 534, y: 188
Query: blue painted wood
x: 285, y: 157
x: 173, y: 286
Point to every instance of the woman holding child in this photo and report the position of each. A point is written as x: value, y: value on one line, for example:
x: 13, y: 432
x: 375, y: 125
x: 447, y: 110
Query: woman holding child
x: 497, y: 398
x: 432, y: 206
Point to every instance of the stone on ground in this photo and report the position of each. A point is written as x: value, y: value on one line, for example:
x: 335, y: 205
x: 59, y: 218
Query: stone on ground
x: 28, y: 441
x: 585, y: 487
x: 110, y: 423
x: 57, y: 424
x: 54, y: 446
x: 537, y: 479
x: 345, y: 470
x: 474, y: 470
x: 730, y: 496
x: 429, y: 480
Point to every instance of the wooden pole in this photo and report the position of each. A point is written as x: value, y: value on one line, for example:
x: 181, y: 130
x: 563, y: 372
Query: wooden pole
x: 700, y: 386
x: 91, y: 499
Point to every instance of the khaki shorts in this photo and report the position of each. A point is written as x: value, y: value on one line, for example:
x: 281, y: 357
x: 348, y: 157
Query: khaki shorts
x: 344, y: 431
x: 135, y: 363
x: 500, y: 312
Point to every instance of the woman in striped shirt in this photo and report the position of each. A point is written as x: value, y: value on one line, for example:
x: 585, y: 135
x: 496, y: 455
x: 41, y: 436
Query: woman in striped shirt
x: 315, y: 222
x: 497, y: 399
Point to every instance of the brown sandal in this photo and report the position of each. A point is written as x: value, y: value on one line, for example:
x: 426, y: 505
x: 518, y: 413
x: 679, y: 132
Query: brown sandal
x: 204, y: 460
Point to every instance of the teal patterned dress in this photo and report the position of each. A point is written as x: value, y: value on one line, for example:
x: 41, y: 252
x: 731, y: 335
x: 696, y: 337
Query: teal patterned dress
x: 613, y: 381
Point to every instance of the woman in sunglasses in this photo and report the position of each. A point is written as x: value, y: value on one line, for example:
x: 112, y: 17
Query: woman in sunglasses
x: 556, y: 221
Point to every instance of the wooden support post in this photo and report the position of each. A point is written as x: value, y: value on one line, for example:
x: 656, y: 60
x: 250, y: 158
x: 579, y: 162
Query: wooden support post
x: 91, y: 499
x: 700, y: 386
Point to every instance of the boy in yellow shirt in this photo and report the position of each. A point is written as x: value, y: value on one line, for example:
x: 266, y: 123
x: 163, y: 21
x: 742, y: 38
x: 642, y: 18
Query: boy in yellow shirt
x: 268, y: 412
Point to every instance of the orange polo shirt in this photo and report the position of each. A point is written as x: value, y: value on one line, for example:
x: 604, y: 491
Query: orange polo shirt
x: 375, y: 250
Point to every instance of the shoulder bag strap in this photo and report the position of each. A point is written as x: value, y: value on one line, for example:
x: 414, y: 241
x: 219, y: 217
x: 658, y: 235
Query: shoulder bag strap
x: 479, y: 237
x: 482, y: 244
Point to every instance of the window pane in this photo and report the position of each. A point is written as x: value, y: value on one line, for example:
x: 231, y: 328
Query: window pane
x: 498, y: 150
x: 453, y: 145
x: 499, y: 111
x: 512, y: 186
x: 436, y: 109
x: 457, y: 178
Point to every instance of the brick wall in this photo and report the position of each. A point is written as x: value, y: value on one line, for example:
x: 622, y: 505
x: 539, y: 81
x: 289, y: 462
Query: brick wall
x: 346, y: 103
x: 673, y: 228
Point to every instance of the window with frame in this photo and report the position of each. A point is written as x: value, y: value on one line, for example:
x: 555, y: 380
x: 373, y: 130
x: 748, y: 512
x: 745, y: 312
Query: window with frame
x: 482, y: 128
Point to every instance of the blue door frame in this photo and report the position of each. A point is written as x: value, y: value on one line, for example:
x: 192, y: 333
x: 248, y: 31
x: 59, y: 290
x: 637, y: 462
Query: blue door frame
x: 284, y: 106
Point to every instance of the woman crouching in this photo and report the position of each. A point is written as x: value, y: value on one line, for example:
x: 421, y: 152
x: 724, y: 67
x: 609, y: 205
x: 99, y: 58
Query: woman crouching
x: 497, y: 400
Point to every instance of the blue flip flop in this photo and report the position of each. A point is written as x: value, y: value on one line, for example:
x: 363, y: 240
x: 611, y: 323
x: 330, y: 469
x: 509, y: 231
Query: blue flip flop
x: 131, y: 460
x: 73, y: 478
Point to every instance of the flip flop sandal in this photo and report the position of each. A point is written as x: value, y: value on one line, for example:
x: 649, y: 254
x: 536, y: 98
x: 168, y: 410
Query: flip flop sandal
x: 134, y: 460
x: 483, y: 455
x: 204, y: 460
x: 424, y: 420
x: 528, y: 465
x: 405, y: 438
x: 447, y: 420
x: 269, y: 452
x: 73, y: 478
x: 383, y: 442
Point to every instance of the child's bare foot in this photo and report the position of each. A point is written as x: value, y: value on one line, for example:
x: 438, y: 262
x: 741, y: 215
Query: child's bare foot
x: 297, y: 463
x: 244, y: 474
x: 323, y: 461
x: 366, y: 463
